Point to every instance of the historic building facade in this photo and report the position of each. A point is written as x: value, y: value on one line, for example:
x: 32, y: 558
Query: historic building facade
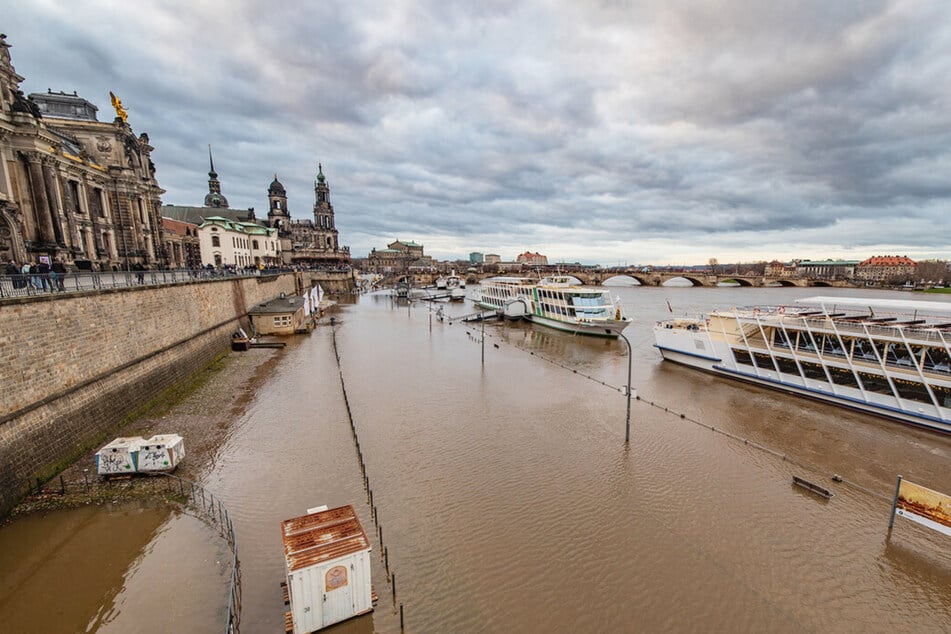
x: 307, y: 242
x: 885, y: 268
x: 73, y: 188
x: 399, y: 256
x: 181, y: 244
x: 532, y: 259
x: 226, y: 243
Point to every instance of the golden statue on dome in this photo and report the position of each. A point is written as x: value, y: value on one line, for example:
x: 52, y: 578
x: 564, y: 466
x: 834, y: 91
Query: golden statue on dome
x: 117, y: 104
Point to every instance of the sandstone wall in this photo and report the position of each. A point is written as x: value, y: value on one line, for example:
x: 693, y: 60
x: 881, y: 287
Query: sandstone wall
x: 73, y: 366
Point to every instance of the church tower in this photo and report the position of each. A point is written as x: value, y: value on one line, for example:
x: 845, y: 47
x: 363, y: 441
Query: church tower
x: 325, y: 234
x: 278, y: 215
x: 214, y: 197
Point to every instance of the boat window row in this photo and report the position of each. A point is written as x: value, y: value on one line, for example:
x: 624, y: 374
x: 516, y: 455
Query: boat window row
x: 894, y: 353
x: 591, y: 305
x: 554, y: 309
x: 845, y: 377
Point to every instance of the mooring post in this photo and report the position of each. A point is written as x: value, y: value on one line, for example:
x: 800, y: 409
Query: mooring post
x: 401, y: 617
x: 630, y: 361
x: 891, y: 520
x: 393, y: 581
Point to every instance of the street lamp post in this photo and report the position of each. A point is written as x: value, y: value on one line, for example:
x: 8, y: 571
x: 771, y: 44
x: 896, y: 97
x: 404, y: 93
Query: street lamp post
x: 482, y: 321
x: 630, y: 362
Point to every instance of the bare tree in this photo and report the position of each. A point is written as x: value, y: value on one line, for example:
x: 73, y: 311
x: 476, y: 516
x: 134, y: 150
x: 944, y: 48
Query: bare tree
x: 932, y: 271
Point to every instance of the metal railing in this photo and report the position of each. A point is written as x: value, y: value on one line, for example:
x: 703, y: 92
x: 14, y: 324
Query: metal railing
x: 34, y: 284
x: 191, y: 495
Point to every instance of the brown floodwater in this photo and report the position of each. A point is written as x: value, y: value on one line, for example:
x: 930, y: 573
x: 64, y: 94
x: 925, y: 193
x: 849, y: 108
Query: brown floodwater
x: 509, y: 501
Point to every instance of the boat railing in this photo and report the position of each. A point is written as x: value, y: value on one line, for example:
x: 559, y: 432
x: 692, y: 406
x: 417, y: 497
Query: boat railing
x: 820, y: 324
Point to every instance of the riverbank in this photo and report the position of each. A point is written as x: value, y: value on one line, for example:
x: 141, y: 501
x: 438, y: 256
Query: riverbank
x: 201, y: 410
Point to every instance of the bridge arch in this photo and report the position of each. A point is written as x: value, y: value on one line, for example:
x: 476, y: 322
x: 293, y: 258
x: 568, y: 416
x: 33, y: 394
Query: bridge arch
x: 622, y: 280
x: 693, y: 280
x: 738, y: 280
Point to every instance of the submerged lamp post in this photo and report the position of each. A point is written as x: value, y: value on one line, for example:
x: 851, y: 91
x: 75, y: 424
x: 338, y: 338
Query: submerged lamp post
x: 482, y: 323
x: 630, y: 362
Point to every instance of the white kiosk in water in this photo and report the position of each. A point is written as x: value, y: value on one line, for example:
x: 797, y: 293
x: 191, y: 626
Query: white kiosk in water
x: 327, y: 559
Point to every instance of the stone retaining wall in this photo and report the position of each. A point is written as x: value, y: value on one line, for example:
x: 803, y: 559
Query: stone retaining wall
x: 72, y: 367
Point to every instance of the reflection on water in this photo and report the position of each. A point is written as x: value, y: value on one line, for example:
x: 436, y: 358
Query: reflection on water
x: 133, y: 568
x: 509, y: 501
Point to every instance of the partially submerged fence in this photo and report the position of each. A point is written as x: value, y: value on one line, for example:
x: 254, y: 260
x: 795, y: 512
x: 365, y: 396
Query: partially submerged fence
x: 192, y: 496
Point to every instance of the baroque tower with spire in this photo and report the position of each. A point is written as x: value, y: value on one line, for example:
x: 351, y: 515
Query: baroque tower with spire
x: 307, y: 242
x: 278, y: 216
x: 214, y: 198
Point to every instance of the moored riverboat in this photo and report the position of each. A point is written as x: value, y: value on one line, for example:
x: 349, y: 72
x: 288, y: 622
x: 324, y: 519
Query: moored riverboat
x: 887, y: 357
x: 557, y: 302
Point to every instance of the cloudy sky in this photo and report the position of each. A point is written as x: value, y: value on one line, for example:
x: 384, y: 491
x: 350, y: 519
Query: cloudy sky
x: 663, y: 132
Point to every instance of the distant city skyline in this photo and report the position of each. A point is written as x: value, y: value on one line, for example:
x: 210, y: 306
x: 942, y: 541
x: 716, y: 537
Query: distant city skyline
x: 647, y: 134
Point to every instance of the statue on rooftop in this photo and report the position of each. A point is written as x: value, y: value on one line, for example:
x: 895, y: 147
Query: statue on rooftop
x: 117, y: 104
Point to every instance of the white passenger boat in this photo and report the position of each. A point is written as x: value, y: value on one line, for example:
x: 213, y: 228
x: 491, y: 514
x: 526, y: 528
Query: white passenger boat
x: 555, y: 302
x: 887, y: 357
x: 455, y: 286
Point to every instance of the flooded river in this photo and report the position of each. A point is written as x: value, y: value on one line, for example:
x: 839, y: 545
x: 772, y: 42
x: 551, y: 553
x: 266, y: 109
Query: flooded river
x: 509, y: 501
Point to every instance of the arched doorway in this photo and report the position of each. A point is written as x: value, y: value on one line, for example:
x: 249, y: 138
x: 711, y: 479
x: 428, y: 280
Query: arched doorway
x: 10, y: 239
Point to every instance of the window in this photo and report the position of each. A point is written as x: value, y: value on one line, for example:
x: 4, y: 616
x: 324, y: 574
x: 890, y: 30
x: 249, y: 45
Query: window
x: 742, y: 356
x: 813, y: 371
x: 282, y: 321
x: 215, y: 241
x: 787, y: 365
x: 912, y: 390
x: 843, y: 376
x: 74, y: 192
x: 254, y: 245
x: 875, y: 383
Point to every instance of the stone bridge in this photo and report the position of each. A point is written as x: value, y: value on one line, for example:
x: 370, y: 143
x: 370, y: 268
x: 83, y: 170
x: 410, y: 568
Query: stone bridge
x: 653, y: 278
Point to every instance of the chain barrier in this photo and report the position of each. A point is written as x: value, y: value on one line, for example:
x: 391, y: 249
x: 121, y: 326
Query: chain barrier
x: 668, y: 410
x: 374, y: 513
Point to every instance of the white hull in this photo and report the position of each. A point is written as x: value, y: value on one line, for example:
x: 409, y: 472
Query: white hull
x: 595, y: 329
x: 720, y: 350
x: 569, y: 308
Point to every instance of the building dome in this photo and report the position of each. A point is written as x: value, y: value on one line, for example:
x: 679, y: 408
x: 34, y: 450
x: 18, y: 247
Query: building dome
x: 215, y: 199
x: 276, y: 189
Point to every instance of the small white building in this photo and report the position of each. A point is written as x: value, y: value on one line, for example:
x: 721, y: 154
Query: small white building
x: 120, y: 456
x: 225, y: 242
x: 327, y: 559
x: 281, y: 316
x: 161, y: 452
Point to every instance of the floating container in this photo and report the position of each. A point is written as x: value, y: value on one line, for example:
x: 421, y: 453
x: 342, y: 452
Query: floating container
x: 161, y: 452
x: 327, y: 558
x: 120, y: 456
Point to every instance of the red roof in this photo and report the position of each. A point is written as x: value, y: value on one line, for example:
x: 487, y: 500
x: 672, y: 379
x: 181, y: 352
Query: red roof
x: 322, y: 536
x: 888, y: 260
x: 178, y: 227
